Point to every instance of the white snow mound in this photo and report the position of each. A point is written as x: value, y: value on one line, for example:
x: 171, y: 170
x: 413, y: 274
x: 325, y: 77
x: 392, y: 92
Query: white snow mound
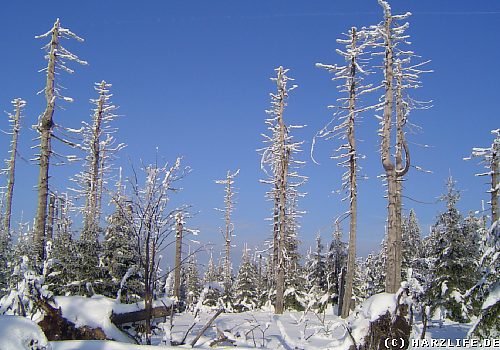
x: 20, y: 333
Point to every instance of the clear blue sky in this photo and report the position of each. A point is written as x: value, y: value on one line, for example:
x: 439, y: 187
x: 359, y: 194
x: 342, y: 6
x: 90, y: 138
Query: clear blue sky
x: 192, y: 77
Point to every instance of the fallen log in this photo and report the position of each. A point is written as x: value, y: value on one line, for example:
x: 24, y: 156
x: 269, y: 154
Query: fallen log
x: 139, y: 315
x: 56, y: 327
x: 207, y: 325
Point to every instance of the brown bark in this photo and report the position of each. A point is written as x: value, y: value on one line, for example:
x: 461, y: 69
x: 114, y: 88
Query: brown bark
x: 18, y: 105
x: 45, y: 129
x: 351, y: 256
x: 178, y: 256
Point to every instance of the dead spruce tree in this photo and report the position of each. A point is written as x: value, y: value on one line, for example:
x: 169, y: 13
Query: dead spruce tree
x: 490, y: 159
x: 228, y: 232
x: 100, y: 147
x: 397, y: 78
x: 347, y: 115
x: 57, y: 57
x: 179, y: 228
x: 276, y: 161
x: 15, y: 120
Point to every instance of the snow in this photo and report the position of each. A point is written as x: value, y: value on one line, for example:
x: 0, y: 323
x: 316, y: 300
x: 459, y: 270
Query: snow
x: 18, y: 333
x: 492, y: 298
x: 378, y: 305
x: 261, y: 329
x: 101, y: 345
x: 96, y: 311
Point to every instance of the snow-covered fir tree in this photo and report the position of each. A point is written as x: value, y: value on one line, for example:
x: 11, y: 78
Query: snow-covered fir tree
x: 360, y: 290
x: 120, y: 252
x: 246, y: 296
x: 454, y: 270
x: 211, y: 282
x: 315, y: 269
x: 375, y: 271
x: 64, y: 278
x: 191, y: 284
x: 412, y: 244
x: 486, y: 291
x: 335, y: 260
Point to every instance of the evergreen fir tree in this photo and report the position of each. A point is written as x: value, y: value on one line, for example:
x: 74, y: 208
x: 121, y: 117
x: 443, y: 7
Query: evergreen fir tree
x: 246, y: 296
x: 295, y: 296
x: 412, y: 244
x: 454, y: 267
x: 191, y: 284
x: 375, y: 271
x: 316, y: 283
x: 487, y: 287
x: 335, y: 260
x: 212, y: 281
x: 120, y: 258
x: 360, y: 283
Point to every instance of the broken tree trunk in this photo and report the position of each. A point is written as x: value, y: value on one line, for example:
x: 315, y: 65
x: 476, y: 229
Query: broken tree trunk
x: 140, y: 315
x: 16, y: 126
x: 207, y: 325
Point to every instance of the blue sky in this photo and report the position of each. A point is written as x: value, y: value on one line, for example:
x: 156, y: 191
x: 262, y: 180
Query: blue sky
x: 192, y: 77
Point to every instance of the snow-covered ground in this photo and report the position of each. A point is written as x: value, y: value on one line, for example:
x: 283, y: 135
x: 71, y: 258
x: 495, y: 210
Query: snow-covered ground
x: 248, y: 330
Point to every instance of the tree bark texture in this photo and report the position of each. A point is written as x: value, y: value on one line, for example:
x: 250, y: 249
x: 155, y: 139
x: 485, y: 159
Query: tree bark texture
x: 45, y: 127
x: 178, y: 257
x: 282, y: 184
x: 18, y: 105
x: 351, y: 255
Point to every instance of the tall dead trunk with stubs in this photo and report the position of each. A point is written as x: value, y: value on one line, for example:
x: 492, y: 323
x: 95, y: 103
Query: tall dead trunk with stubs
x: 228, y: 231
x: 351, y: 255
x: 57, y: 56
x: 281, y: 186
x: 11, y: 165
x: 179, y: 227
x: 392, y: 172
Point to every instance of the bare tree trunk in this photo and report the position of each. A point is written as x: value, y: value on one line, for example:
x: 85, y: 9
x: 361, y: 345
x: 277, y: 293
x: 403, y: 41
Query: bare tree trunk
x: 90, y: 221
x: 393, y: 279
x: 351, y: 256
x: 50, y: 220
x: 18, y: 105
x: 283, y: 171
x: 494, y: 181
x: 400, y: 168
x: 178, y: 256
x: 276, y: 230
x: 148, y: 290
x: 341, y: 279
x: 45, y: 126
x: 227, y: 261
